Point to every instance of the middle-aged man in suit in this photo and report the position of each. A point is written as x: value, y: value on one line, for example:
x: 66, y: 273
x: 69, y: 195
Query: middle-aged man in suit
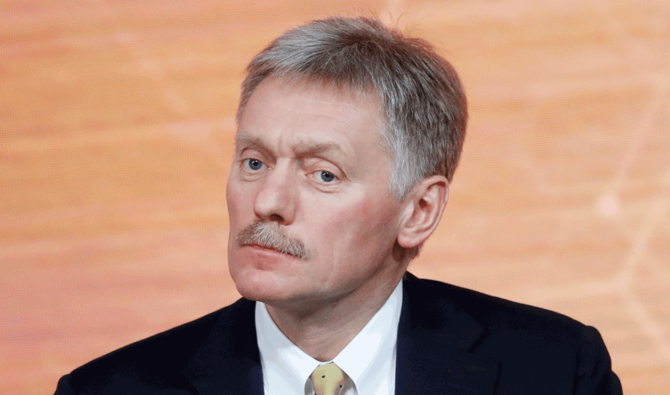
x: 348, y: 137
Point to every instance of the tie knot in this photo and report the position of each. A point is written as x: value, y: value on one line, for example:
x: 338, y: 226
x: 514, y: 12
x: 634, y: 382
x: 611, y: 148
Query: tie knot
x: 328, y: 379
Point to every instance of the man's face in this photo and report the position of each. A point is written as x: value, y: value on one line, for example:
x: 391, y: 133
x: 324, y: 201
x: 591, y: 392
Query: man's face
x: 309, y: 166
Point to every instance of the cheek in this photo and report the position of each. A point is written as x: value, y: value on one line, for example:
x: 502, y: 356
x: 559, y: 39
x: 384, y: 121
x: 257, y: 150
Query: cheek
x: 366, y: 225
x: 377, y: 213
x: 239, y: 202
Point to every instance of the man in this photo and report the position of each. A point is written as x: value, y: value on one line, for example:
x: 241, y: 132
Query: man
x: 348, y: 137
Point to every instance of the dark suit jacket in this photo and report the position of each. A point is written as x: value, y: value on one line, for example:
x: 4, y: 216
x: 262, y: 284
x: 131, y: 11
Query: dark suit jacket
x: 450, y: 341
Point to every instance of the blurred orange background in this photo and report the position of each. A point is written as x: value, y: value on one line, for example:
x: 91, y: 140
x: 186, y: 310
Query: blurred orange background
x: 116, y: 126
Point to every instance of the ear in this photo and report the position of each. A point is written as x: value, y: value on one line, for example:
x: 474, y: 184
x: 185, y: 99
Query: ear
x: 423, y: 211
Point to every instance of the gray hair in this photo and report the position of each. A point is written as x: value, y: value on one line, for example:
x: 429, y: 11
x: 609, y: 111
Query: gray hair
x: 421, y: 95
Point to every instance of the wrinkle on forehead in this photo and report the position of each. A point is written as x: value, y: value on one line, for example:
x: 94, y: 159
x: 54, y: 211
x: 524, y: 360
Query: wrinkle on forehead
x: 359, y: 94
x: 362, y: 96
x: 343, y: 95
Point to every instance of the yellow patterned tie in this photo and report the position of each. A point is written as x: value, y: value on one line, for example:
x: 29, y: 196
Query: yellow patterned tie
x: 328, y: 379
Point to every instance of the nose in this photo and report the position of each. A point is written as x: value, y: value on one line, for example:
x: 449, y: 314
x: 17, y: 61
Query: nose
x: 276, y: 199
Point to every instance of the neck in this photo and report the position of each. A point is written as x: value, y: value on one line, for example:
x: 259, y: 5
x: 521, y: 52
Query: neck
x: 323, y: 330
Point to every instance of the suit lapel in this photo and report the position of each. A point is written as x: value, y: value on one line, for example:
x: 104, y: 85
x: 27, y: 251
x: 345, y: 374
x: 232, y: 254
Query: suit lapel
x: 434, y: 337
x: 228, y: 360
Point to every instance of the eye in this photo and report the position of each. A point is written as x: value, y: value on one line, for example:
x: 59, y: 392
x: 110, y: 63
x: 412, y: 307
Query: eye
x: 253, y: 164
x: 325, y: 176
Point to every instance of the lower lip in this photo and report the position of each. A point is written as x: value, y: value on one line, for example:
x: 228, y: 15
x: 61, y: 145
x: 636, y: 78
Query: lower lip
x: 270, y: 252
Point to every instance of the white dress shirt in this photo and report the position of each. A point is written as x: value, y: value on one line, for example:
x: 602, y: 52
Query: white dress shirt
x: 369, y: 359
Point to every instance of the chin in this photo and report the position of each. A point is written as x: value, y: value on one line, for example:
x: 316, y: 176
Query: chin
x: 259, y: 285
x: 262, y: 275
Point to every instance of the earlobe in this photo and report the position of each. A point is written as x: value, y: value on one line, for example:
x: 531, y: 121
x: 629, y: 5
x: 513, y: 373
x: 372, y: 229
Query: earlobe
x: 427, y: 202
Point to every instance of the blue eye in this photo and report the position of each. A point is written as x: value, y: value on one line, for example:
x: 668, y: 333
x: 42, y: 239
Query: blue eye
x: 326, y: 176
x: 253, y: 164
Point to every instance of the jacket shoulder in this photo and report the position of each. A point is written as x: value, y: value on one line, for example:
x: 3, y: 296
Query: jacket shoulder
x: 558, y: 353
x: 501, y: 315
x: 152, y: 364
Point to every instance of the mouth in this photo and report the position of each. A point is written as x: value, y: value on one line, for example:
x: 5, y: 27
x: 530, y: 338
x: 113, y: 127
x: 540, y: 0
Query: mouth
x: 267, y: 249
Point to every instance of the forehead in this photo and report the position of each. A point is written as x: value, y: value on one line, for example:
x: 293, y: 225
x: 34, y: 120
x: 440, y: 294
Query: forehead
x: 303, y: 114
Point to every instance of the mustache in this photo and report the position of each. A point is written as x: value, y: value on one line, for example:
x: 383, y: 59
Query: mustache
x: 271, y: 235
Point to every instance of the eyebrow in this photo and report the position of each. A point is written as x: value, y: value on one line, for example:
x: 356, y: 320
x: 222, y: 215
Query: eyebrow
x: 247, y: 139
x: 302, y: 148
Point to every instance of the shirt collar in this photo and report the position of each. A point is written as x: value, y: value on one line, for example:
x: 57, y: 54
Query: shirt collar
x: 284, y: 364
x: 364, y: 359
x: 370, y: 357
